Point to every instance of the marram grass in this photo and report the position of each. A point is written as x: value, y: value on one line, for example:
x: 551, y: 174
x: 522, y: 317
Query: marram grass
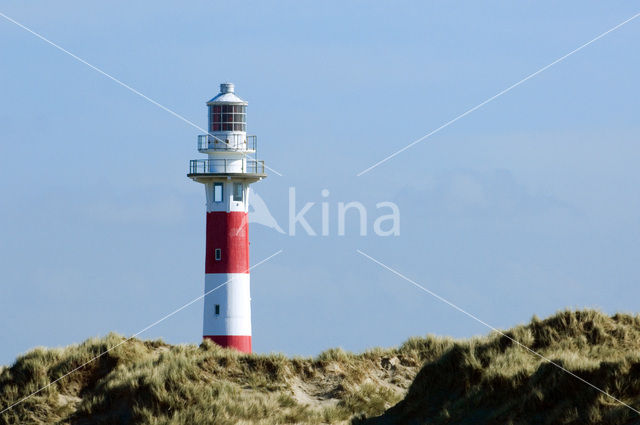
x: 429, y: 380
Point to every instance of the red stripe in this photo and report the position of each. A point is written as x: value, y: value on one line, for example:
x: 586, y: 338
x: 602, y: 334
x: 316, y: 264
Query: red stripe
x: 229, y: 232
x: 238, y: 342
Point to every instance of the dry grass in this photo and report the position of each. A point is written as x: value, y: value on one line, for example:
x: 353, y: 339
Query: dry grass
x: 150, y: 382
x: 494, y: 381
x: 482, y: 380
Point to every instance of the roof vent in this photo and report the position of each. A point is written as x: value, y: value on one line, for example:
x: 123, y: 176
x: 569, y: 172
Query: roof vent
x: 226, y: 88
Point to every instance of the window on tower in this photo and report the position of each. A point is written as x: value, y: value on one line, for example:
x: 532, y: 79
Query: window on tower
x: 217, y: 309
x: 217, y: 192
x: 227, y: 117
x: 218, y: 254
x: 237, y: 192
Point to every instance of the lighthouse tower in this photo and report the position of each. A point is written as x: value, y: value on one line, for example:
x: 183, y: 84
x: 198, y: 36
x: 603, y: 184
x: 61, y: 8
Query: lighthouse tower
x: 231, y: 166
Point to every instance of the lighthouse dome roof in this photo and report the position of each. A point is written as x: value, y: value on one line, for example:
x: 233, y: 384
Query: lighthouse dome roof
x: 227, y: 96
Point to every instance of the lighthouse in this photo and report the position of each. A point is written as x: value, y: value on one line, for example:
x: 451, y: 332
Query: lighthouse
x: 230, y: 167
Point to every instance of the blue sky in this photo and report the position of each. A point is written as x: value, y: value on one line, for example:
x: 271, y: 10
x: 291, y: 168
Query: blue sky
x: 526, y: 206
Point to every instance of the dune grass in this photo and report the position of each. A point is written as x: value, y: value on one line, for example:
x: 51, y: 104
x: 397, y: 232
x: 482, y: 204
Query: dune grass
x: 150, y: 382
x: 492, y: 380
x: 480, y: 380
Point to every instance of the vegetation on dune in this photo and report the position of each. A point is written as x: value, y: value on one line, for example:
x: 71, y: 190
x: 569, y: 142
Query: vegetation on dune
x: 493, y: 380
x: 150, y: 382
x: 481, y: 380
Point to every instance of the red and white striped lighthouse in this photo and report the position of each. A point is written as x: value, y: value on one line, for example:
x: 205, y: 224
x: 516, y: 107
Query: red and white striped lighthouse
x: 228, y: 171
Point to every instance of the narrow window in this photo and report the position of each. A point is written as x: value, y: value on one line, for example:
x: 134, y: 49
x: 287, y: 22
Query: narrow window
x: 237, y: 192
x: 217, y: 309
x: 217, y: 192
x: 218, y: 254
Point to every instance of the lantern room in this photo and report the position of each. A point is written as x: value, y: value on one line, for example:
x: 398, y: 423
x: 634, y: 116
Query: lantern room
x: 227, y: 112
x: 230, y: 151
x: 227, y: 118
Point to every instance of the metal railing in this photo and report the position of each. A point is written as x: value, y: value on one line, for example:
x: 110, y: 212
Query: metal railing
x: 207, y: 142
x: 226, y: 166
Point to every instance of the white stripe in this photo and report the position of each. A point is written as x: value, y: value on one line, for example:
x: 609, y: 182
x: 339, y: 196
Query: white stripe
x: 234, y: 301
